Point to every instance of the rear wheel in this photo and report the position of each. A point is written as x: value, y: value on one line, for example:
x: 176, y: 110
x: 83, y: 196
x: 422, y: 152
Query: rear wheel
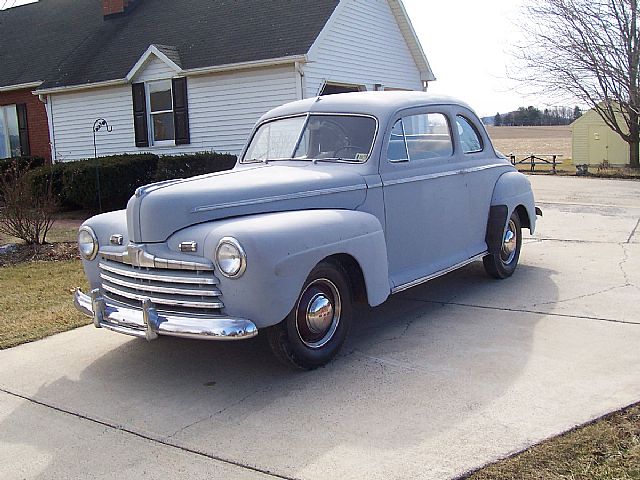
x: 314, y: 331
x: 502, y: 265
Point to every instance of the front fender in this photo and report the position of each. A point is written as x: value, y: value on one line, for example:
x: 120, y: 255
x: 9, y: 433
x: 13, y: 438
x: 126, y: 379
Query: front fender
x: 282, y: 248
x: 512, y: 190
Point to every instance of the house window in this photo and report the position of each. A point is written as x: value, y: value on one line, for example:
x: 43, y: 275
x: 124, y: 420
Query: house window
x: 161, y: 113
x: 9, y: 132
x: 160, y: 101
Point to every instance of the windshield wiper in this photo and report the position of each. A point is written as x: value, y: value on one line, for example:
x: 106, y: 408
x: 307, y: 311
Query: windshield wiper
x: 330, y: 160
x: 255, y: 160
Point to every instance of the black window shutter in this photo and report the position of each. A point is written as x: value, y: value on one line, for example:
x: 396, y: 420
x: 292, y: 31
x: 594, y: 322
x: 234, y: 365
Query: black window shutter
x: 140, y: 115
x: 23, y: 129
x: 181, y: 111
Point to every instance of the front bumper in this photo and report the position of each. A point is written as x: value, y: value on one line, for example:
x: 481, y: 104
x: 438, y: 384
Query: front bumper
x: 148, y: 323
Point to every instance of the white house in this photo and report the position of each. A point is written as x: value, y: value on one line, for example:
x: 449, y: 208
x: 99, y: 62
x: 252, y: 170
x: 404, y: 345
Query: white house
x: 182, y: 76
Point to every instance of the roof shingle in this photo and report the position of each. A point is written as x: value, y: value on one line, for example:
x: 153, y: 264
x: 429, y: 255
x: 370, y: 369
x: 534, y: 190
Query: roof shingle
x: 67, y: 42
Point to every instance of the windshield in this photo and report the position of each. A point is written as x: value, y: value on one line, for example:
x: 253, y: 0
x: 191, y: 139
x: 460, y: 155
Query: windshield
x: 314, y: 137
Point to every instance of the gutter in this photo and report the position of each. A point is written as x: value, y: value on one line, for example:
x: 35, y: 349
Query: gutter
x: 185, y: 72
x: 20, y: 86
x: 243, y: 65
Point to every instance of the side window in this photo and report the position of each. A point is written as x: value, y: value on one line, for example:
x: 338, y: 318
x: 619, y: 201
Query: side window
x: 397, y: 151
x: 160, y: 99
x: 428, y: 136
x: 469, y: 137
x: 9, y: 132
x: 161, y: 112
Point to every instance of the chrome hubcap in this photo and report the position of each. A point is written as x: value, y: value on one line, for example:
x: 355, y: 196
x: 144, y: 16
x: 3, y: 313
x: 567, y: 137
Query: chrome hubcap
x: 318, y: 313
x: 509, y: 243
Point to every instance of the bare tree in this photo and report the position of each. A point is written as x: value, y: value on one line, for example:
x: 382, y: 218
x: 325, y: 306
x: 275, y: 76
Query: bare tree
x: 588, y: 50
x: 24, y: 213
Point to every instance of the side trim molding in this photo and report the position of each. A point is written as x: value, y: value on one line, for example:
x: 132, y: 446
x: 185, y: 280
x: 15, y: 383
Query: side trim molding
x: 420, y: 281
x: 449, y: 173
x: 289, y: 196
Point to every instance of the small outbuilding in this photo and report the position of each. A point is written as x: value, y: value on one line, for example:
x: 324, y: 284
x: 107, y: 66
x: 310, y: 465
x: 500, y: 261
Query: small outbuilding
x: 595, y: 143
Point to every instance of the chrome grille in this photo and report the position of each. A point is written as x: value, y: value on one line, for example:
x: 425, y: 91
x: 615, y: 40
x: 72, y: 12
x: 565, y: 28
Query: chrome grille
x: 169, y: 289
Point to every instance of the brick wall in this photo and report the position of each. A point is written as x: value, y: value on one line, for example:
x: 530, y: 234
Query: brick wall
x: 36, y: 120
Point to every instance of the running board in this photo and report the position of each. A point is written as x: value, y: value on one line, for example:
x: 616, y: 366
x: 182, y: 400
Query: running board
x: 420, y: 281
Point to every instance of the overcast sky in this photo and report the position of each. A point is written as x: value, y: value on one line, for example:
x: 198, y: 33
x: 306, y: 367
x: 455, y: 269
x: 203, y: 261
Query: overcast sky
x: 467, y: 43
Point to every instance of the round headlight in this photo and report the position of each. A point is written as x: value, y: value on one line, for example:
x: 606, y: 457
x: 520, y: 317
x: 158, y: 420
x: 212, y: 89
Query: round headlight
x: 88, y: 243
x: 230, y: 258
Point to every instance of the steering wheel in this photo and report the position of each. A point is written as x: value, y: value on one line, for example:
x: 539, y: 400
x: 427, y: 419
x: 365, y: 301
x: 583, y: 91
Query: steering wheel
x: 348, y: 147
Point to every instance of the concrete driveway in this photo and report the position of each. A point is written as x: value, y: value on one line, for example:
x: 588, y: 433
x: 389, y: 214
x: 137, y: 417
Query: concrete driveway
x: 439, y: 380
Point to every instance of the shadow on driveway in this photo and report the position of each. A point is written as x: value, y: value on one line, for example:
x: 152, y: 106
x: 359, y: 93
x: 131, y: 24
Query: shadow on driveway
x: 411, y: 370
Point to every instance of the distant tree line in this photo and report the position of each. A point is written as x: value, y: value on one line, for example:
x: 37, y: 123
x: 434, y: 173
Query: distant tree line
x: 532, y: 116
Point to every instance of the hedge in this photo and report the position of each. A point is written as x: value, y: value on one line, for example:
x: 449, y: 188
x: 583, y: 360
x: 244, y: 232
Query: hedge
x: 183, y: 166
x: 74, y: 183
x: 22, y: 163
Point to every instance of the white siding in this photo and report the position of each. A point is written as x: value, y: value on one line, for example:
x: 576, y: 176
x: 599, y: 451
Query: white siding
x: 154, y: 69
x: 73, y: 117
x: 222, y: 110
x: 362, y: 44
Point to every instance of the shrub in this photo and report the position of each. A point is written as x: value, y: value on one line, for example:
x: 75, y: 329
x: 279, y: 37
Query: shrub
x: 22, y: 163
x: 183, y: 166
x: 24, y: 213
x: 119, y: 177
x: 73, y: 184
x: 50, y: 177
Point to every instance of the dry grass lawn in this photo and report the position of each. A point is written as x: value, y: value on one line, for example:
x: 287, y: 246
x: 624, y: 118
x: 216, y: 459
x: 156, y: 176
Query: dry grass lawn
x: 36, y: 300
x: 524, y: 141
x: 527, y: 140
x: 606, y: 450
x: 64, y: 229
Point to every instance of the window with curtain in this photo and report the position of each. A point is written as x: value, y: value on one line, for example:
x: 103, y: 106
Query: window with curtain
x: 9, y: 132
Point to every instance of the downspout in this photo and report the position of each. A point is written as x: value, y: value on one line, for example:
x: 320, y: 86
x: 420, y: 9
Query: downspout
x: 300, y: 83
x: 48, y: 106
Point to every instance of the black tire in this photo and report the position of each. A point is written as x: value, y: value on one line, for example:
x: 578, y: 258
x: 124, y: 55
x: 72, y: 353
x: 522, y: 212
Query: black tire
x: 502, y: 264
x: 307, y: 338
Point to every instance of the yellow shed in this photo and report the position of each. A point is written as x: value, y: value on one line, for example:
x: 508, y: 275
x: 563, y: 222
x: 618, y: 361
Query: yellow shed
x: 594, y: 142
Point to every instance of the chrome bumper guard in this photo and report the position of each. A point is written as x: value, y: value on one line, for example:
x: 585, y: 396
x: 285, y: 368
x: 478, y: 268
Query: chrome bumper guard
x: 148, y: 323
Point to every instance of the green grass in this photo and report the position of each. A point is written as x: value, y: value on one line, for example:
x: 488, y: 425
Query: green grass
x: 608, y: 449
x: 36, y: 300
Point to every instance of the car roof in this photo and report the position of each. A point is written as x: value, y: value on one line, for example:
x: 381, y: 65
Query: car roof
x: 379, y: 104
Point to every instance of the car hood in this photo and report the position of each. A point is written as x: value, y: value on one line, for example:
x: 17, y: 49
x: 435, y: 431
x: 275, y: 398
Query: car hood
x: 159, y: 210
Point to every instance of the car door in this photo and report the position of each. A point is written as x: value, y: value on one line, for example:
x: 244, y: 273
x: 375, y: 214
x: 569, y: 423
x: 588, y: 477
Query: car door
x: 482, y: 168
x: 425, y: 195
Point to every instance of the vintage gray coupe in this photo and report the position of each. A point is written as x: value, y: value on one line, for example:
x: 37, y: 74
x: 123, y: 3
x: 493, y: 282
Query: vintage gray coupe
x: 337, y: 199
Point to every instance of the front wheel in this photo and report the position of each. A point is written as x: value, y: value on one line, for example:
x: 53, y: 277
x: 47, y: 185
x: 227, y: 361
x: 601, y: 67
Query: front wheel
x: 314, y: 331
x: 502, y: 265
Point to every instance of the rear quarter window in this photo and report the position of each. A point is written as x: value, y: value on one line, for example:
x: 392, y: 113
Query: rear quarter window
x: 470, y: 138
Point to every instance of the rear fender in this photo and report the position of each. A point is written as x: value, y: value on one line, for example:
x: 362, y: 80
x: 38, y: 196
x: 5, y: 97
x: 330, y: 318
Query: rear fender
x: 512, y: 190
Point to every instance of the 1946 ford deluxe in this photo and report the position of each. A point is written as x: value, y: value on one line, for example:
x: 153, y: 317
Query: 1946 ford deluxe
x: 336, y: 199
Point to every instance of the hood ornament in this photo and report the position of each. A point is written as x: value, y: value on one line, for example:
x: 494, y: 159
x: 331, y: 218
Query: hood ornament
x: 138, y: 257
